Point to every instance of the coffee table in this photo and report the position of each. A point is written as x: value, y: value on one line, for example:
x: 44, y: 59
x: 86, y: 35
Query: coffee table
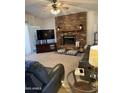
x: 78, y: 85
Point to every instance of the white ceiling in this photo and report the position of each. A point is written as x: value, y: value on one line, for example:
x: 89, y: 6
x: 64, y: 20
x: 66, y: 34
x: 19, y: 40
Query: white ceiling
x: 41, y: 8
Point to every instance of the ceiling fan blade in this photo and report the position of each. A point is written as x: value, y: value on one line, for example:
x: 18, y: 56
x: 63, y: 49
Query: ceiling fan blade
x: 65, y: 8
x: 88, y: 6
x: 62, y: 5
x: 80, y: 1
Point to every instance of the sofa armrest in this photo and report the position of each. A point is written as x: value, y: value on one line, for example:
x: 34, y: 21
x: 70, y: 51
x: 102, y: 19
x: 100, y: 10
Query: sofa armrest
x: 53, y: 85
x: 59, y: 68
x: 56, y: 75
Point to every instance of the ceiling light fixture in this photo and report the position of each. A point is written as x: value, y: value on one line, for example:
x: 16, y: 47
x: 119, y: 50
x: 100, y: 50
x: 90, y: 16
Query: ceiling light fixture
x: 55, y: 11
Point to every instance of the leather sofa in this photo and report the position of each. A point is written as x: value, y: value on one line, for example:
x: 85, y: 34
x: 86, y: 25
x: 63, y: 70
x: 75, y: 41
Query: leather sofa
x: 40, y: 79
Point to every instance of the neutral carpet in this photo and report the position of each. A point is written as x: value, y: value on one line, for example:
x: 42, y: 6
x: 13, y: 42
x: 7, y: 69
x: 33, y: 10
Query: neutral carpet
x: 63, y: 90
x: 50, y: 59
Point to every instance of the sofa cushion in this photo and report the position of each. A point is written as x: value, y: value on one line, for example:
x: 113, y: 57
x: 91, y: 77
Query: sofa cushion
x: 39, y: 72
x: 32, y: 83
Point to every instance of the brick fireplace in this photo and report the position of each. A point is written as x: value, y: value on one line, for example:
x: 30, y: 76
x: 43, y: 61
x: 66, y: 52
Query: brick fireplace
x: 69, y: 30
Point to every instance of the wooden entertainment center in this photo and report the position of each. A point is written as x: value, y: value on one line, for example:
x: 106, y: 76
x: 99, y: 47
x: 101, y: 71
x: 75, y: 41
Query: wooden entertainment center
x: 45, y: 41
x: 40, y: 48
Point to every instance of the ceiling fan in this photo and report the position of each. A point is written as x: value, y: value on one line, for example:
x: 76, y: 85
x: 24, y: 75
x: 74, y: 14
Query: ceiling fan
x: 56, y: 6
x: 59, y: 7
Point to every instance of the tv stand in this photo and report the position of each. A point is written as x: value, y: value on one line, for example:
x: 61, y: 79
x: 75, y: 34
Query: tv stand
x: 40, y: 48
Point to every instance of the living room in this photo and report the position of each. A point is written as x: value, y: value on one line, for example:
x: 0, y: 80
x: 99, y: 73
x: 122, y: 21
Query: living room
x: 110, y: 46
x: 75, y: 31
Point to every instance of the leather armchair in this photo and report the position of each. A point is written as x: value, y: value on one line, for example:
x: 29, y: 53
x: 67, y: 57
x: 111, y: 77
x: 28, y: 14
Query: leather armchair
x: 40, y: 79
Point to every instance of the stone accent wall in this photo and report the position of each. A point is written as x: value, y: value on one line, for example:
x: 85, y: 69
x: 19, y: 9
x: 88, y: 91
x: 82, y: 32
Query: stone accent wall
x: 70, y: 25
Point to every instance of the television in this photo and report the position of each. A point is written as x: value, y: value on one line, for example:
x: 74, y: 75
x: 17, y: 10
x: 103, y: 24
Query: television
x: 45, y: 34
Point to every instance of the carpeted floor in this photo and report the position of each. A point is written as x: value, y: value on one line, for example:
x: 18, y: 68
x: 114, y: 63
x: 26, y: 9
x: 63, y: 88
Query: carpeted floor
x: 50, y: 59
x: 63, y: 90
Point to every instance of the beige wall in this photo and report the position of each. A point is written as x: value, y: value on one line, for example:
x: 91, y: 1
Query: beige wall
x: 44, y: 23
x: 92, y: 23
x: 49, y: 23
x: 33, y: 20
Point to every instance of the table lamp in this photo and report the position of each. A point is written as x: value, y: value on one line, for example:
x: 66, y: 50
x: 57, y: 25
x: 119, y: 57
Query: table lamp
x: 93, y: 58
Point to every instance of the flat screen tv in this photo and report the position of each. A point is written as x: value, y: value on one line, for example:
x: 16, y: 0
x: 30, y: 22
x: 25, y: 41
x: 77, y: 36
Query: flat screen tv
x: 45, y: 34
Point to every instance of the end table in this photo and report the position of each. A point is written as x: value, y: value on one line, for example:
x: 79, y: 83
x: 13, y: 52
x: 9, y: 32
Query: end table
x: 78, y: 85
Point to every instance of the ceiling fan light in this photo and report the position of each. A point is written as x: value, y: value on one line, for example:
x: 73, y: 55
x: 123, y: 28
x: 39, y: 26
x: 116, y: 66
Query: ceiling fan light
x: 55, y: 11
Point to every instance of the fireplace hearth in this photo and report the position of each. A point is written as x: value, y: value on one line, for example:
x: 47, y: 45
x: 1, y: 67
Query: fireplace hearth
x: 69, y: 39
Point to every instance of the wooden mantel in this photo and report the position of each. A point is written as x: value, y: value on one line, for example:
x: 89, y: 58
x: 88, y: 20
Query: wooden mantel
x: 71, y: 31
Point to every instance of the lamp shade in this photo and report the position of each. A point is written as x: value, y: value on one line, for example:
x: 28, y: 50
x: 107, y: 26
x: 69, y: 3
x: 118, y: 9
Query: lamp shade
x: 93, y: 58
